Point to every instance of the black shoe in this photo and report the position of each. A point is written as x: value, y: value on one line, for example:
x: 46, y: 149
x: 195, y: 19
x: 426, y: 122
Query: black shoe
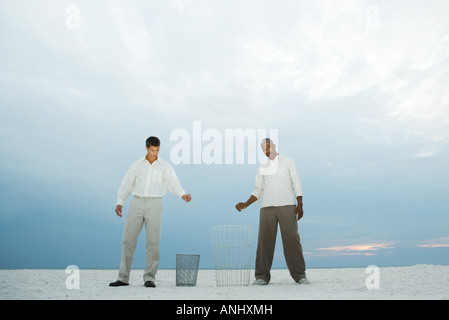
x: 150, y: 284
x: 118, y: 283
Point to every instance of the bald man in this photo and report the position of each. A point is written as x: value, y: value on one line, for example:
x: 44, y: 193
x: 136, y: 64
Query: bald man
x: 280, y: 191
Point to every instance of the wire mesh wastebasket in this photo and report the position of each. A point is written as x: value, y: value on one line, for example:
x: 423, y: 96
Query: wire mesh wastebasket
x: 187, y: 269
x: 232, y: 250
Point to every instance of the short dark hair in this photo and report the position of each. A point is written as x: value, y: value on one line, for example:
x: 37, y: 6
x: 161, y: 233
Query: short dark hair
x: 153, y: 142
x: 266, y: 140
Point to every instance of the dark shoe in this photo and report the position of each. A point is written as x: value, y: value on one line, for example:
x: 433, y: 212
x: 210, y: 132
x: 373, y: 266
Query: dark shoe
x: 150, y: 284
x: 118, y: 283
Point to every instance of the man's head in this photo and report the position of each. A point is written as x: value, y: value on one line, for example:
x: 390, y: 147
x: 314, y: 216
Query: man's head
x: 152, y: 146
x: 269, y: 148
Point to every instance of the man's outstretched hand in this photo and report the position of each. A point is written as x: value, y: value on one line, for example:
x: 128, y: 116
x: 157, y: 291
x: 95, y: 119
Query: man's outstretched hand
x: 243, y: 205
x: 240, y: 206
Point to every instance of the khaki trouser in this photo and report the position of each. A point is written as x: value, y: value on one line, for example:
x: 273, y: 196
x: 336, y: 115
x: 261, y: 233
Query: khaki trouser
x: 268, y: 224
x: 142, y: 210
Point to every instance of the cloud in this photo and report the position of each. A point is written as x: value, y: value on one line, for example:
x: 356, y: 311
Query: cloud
x: 132, y: 31
x: 396, y: 72
x: 357, y: 249
x: 358, y: 91
x: 407, y: 64
x: 435, y: 243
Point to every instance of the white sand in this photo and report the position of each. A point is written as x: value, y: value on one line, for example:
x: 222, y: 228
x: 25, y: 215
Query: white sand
x: 415, y: 282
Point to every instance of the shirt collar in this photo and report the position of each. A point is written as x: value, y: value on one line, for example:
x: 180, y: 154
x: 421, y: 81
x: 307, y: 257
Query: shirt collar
x: 277, y: 157
x: 144, y: 159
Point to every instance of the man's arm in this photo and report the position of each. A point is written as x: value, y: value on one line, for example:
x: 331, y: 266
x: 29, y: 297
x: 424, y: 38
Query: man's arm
x: 255, y: 195
x: 125, y: 190
x: 297, y: 188
x: 243, y: 205
x: 174, y: 185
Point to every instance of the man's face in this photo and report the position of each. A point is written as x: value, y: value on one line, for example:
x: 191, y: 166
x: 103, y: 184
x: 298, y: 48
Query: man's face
x: 152, y: 152
x: 268, y: 148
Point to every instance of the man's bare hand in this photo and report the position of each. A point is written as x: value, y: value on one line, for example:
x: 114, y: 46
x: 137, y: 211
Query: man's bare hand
x: 299, y: 212
x: 187, y: 197
x: 243, y: 205
x: 240, y: 206
x: 118, y: 210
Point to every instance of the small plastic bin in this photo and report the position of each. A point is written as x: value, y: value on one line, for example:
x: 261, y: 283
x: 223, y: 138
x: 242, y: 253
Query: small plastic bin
x: 187, y: 266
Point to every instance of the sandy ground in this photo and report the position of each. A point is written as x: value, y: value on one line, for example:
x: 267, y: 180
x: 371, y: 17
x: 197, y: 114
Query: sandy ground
x: 409, y: 283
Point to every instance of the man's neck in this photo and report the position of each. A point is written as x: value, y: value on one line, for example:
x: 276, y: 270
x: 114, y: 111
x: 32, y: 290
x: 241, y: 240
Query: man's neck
x: 150, y: 161
x: 273, y: 156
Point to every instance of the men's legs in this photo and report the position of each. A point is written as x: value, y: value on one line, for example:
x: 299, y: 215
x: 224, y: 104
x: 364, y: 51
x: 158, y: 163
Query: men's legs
x: 291, y: 242
x: 267, y: 239
x: 153, y: 220
x: 133, y: 226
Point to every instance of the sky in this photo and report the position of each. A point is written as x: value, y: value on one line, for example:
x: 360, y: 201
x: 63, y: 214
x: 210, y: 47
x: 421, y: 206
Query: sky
x: 357, y: 93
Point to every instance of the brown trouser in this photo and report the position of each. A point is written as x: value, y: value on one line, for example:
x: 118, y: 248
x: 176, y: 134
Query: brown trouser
x: 268, y: 225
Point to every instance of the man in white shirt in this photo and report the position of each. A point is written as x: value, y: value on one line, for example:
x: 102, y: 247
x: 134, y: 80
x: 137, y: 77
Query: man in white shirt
x: 278, y: 185
x: 147, y: 179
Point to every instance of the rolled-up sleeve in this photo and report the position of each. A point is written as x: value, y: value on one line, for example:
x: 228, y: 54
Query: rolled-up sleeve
x: 296, y: 183
x: 258, y: 190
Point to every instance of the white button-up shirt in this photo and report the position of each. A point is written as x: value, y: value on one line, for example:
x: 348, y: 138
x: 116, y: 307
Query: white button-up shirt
x: 277, y: 182
x: 149, y: 180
